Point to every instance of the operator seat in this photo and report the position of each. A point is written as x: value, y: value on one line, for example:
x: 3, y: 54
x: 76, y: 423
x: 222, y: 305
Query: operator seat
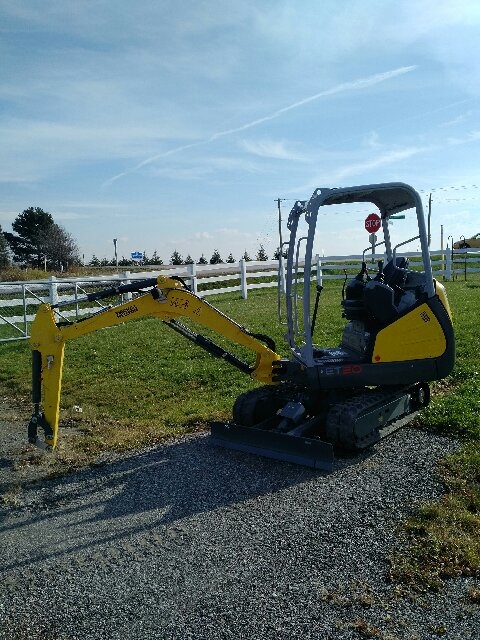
x: 395, y: 273
x: 379, y: 299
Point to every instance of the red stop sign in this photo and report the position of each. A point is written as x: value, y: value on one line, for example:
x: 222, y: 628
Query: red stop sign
x: 372, y: 222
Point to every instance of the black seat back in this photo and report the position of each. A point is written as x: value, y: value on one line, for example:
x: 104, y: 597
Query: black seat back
x: 379, y: 301
x: 395, y: 273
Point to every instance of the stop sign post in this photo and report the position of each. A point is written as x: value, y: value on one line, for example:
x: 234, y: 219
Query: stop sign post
x: 372, y: 222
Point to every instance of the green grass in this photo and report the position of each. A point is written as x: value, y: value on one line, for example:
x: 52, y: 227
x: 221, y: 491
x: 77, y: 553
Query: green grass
x: 140, y: 383
x: 443, y: 538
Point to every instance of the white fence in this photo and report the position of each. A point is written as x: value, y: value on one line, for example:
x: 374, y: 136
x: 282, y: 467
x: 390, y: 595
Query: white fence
x: 446, y: 265
x: 19, y: 300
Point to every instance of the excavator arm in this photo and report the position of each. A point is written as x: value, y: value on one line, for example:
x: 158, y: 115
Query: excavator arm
x: 167, y: 299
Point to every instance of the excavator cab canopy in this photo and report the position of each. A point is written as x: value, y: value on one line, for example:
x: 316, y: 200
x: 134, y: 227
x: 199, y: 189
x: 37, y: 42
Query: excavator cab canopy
x: 390, y: 199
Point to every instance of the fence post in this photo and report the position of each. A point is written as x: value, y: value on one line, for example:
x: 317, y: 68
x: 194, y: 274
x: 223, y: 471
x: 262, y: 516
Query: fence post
x: 448, y: 264
x: 243, y: 278
x: 128, y: 295
x: 53, y: 291
x: 25, y: 319
x: 192, y: 269
x: 281, y: 273
x: 319, y: 271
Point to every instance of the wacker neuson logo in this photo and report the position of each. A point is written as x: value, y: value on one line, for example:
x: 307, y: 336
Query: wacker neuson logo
x: 127, y: 311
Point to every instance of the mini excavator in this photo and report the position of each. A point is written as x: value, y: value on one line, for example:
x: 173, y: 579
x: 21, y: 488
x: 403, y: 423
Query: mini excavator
x: 397, y: 338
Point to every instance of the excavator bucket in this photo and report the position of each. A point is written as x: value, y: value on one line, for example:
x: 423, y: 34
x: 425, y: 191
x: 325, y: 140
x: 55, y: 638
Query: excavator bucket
x: 308, y: 452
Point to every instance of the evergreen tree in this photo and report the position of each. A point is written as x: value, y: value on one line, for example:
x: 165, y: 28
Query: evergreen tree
x: 202, y: 260
x: 27, y: 243
x: 261, y: 254
x: 155, y: 259
x: 94, y: 262
x: 189, y: 259
x: 38, y: 240
x: 176, y: 258
x: 4, y: 251
x: 246, y: 257
x: 216, y: 259
x: 230, y: 258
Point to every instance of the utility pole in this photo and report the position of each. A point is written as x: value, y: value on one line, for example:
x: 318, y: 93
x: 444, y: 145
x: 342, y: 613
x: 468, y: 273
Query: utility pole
x: 116, y: 255
x: 278, y: 201
x: 429, y: 215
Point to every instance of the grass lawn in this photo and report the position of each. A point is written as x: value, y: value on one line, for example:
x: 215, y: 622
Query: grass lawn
x: 141, y: 383
x: 444, y: 537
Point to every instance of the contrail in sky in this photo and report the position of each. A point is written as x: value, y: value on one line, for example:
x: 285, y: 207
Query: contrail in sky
x: 361, y: 83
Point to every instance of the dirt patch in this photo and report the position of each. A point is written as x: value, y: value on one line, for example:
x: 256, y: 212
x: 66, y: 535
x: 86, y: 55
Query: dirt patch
x: 20, y: 462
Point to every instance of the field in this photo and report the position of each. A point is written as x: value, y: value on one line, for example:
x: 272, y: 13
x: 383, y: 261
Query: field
x: 140, y: 384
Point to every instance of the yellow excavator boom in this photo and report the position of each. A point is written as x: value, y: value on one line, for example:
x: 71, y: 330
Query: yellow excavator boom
x: 168, y: 300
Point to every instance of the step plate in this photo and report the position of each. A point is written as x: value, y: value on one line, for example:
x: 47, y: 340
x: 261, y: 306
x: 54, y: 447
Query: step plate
x: 307, y: 452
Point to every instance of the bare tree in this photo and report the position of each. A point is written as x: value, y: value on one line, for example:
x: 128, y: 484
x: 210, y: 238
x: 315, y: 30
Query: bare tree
x: 60, y: 249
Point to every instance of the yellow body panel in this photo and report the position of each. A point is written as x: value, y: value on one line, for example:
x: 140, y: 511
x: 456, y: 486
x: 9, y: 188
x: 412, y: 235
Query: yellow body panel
x: 415, y: 336
x: 442, y: 294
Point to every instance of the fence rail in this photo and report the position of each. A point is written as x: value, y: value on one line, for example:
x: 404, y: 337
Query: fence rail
x: 20, y: 300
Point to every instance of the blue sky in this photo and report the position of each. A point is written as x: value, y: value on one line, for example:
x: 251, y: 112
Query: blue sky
x: 176, y: 125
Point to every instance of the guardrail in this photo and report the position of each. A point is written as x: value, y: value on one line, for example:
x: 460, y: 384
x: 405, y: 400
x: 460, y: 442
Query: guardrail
x: 19, y: 300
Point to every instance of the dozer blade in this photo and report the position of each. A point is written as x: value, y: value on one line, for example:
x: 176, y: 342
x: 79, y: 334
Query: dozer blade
x: 307, y: 452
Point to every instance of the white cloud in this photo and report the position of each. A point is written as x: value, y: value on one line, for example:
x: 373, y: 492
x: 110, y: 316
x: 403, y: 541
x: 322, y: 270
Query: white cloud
x: 205, y: 167
x: 361, y: 167
x: 275, y: 149
x: 472, y: 136
x: 343, y: 87
x: 458, y: 120
x: 203, y: 235
x: 69, y: 215
x: 392, y: 157
x: 372, y: 140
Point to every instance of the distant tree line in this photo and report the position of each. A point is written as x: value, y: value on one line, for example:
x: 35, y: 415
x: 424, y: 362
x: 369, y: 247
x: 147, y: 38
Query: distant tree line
x: 177, y: 259
x: 37, y: 241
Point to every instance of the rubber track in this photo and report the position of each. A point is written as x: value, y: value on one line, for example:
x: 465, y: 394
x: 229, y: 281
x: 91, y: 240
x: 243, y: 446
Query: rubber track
x: 340, y: 424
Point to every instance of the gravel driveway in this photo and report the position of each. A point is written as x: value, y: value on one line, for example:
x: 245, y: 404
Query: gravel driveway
x: 192, y: 541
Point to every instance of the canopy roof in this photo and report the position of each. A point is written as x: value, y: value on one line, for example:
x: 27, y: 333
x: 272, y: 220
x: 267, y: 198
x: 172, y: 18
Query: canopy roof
x: 390, y: 198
